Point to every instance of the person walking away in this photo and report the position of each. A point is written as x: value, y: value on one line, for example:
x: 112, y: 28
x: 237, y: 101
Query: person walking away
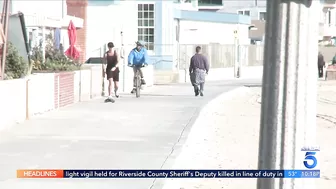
x: 199, y: 67
x: 112, y: 70
x: 138, y: 58
x: 334, y: 60
x: 320, y: 64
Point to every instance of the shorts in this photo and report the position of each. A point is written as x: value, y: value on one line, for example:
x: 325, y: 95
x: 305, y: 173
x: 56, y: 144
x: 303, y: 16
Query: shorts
x: 113, y: 74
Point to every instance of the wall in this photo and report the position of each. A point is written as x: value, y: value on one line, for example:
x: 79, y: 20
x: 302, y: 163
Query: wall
x: 40, y: 101
x: 165, y: 31
x: 78, y: 8
x: 244, y: 3
x: 100, y: 30
x: 166, y: 46
x: 21, y: 99
x: 196, y: 32
x: 187, y: 6
x: 46, y: 8
x: 254, y: 11
x: 13, y: 102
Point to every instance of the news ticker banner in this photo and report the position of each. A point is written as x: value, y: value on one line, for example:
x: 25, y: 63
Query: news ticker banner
x: 168, y: 173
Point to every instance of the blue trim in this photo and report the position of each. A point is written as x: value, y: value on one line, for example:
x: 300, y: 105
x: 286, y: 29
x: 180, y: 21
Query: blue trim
x: 218, y: 17
x: 158, y: 14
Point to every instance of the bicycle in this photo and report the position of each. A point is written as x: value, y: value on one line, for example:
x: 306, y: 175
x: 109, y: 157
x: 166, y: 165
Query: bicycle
x: 137, y: 80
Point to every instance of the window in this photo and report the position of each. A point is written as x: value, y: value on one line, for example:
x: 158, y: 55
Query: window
x: 262, y: 15
x: 210, y: 2
x: 244, y: 12
x: 146, y: 24
x: 182, y: 1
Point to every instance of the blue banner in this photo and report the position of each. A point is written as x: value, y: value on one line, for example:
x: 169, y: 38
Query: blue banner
x: 191, y: 173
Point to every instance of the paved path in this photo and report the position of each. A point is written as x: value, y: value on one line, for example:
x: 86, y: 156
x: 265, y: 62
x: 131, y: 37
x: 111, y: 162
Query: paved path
x: 230, y: 140
x: 130, y: 134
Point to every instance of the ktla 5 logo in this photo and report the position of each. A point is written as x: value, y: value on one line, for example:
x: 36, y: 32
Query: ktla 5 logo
x: 310, y: 160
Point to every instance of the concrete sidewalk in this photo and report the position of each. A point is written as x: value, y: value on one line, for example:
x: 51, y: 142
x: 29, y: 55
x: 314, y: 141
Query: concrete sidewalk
x: 226, y: 136
x: 133, y: 133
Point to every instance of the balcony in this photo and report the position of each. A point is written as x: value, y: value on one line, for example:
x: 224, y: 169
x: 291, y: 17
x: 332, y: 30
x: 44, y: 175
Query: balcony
x: 185, y: 5
x: 210, y: 4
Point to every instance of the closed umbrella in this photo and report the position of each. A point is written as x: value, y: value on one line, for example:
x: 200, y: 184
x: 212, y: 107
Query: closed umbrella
x: 72, y: 51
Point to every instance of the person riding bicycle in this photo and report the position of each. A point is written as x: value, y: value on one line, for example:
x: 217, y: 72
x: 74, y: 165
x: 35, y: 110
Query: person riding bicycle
x: 137, y: 59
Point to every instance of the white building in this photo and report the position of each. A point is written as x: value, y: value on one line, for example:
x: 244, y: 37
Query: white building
x: 165, y: 25
x: 169, y: 27
x: 41, y: 19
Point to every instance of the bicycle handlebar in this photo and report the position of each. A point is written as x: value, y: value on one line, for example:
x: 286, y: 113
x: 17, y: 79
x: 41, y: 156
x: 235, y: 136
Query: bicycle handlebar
x: 142, y: 65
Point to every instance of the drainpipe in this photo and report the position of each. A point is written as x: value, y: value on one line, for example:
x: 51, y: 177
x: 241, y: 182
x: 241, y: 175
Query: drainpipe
x: 178, y: 45
x: 122, y: 53
x: 64, y: 11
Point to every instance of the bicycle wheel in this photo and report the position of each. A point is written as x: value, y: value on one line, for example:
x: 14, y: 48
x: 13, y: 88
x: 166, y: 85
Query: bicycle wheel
x: 137, y: 85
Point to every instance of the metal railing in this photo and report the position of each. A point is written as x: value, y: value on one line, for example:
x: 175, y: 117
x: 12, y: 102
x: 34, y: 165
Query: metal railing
x: 219, y: 55
x: 223, y: 56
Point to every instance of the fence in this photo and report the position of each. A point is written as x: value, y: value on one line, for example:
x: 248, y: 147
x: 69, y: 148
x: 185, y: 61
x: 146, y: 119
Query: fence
x: 223, y: 56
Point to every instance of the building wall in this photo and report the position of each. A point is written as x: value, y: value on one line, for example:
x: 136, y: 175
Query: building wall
x: 165, y: 31
x: 56, y: 9
x: 124, y: 15
x: 254, y: 11
x: 196, y: 32
x: 47, y: 8
x: 244, y: 3
x: 106, y: 22
x: 78, y: 8
x: 124, y: 19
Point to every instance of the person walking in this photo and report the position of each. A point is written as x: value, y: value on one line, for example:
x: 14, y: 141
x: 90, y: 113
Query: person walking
x: 334, y: 60
x: 199, y: 67
x: 320, y: 64
x: 138, y: 58
x: 112, y: 70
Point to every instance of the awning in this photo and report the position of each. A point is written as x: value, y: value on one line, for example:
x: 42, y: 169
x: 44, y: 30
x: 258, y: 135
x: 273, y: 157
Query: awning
x: 50, y: 22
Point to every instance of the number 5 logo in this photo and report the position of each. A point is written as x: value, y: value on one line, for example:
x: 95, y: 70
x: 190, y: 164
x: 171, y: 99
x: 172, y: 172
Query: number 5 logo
x: 310, y: 156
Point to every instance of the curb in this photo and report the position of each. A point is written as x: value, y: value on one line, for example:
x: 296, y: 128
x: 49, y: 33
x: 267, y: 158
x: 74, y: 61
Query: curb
x: 199, y: 122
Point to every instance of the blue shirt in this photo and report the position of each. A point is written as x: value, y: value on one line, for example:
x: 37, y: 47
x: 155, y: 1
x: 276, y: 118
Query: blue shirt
x: 136, y: 57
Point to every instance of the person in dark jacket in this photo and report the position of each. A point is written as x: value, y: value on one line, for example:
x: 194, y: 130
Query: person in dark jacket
x: 199, y: 67
x: 320, y: 64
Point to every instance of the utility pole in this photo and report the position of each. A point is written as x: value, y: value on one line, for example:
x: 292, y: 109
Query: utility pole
x: 4, y: 47
x: 289, y: 92
x: 236, y: 55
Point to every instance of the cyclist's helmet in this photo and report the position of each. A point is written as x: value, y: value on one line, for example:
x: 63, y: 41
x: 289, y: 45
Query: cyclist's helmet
x: 140, y: 43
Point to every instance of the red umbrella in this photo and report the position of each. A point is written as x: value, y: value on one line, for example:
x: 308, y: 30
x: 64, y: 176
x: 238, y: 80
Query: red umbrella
x: 72, y: 51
